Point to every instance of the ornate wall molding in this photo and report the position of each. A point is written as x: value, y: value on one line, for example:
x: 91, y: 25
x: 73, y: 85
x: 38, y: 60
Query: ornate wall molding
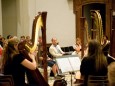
x: 78, y: 4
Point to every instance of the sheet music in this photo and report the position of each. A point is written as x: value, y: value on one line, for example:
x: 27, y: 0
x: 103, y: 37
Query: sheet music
x: 75, y: 63
x: 68, y: 64
x: 64, y: 65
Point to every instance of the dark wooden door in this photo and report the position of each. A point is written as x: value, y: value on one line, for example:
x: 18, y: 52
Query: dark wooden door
x: 112, y: 39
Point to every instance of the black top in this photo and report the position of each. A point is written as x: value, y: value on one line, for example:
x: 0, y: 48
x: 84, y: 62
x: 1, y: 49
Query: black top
x: 109, y: 59
x: 16, y: 70
x: 88, y: 68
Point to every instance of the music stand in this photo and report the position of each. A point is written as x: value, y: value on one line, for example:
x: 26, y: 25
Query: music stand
x: 68, y: 63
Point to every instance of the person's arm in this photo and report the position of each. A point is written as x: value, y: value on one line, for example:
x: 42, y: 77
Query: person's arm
x: 62, y: 52
x: 53, y: 53
x: 30, y: 64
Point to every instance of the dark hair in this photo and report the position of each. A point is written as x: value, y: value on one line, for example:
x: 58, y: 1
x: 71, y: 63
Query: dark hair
x: 106, y: 36
x: 8, y: 37
x: 95, y: 52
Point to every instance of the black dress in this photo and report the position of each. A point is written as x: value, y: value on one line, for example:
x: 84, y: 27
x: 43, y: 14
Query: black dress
x: 88, y: 68
x: 17, y: 70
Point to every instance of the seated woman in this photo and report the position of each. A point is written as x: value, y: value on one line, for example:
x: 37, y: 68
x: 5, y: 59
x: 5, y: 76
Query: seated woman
x: 78, y: 48
x: 78, y: 43
x: 105, y: 48
x: 77, y: 51
x: 95, y: 63
x: 14, y: 63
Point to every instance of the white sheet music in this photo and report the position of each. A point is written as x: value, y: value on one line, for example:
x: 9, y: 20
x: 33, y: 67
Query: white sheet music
x: 68, y: 64
x: 75, y: 63
x: 64, y: 65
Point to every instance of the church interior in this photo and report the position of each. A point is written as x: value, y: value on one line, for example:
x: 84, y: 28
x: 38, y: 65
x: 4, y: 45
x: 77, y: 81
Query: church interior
x: 73, y: 19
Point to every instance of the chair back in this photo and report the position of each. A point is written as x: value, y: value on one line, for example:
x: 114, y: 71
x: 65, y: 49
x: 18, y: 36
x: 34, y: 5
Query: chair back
x: 98, y: 81
x: 6, y: 80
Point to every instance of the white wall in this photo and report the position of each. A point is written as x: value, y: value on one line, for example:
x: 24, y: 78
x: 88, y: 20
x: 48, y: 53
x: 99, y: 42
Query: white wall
x: 23, y: 18
x: 0, y: 18
x: 60, y: 20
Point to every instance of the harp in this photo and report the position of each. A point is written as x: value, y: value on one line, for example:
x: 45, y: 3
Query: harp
x: 34, y: 76
x: 96, y: 31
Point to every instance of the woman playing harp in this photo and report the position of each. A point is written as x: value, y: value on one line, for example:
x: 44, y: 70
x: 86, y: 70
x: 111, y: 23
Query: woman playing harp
x: 15, y: 63
x: 20, y: 58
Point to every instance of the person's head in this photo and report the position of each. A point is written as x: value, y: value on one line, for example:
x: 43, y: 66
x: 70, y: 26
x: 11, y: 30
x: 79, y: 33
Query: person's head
x: 54, y: 41
x: 77, y: 48
x: 111, y: 74
x: 10, y: 50
x: 105, y: 37
x: 104, y: 40
x: 12, y: 45
x: 94, y: 47
x: 40, y: 39
x: 78, y: 41
x: 9, y: 37
x: 28, y: 38
x: 22, y: 38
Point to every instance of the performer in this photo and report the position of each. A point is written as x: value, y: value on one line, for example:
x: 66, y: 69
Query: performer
x: 51, y: 63
x: 95, y: 63
x: 15, y: 64
x: 55, y: 49
x: 77, y: 48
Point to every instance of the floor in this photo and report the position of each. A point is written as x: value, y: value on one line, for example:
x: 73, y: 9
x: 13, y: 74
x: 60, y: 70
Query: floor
x: 70, y: 78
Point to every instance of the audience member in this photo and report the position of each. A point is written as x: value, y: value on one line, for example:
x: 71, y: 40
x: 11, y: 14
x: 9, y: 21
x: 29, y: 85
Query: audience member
x: 9, y: 36
x: 22, y: 38
x: 28, y: 39
x: 15, y: 63
x: 1, y: 42
x: 55, y: 49
x: 1, y: 49
x: 95, y: 63
x: 111, y: 74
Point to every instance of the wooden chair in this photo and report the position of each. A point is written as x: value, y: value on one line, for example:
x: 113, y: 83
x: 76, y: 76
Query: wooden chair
x: 6, y: 80
x: 98, y: 81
